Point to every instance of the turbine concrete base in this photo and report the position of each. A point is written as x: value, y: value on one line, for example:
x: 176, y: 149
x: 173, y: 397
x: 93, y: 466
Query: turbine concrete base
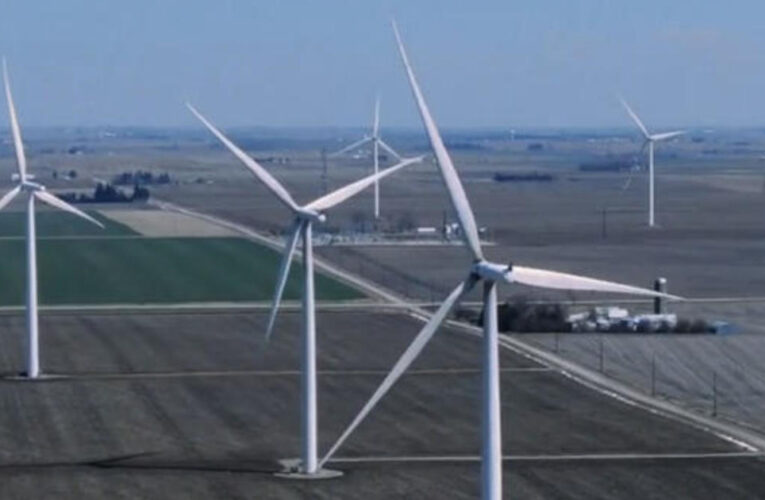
x: 305, y: 476
x: 292, y: 471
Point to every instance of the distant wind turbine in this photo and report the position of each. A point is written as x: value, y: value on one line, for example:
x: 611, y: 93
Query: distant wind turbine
x: 377, y: 143
x: 34, y: 191
x: 650, y: 140
x: 305, y: 217
x: 491, y: 274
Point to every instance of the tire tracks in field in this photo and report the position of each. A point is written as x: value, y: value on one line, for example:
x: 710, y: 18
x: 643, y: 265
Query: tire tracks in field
x: 92, y: 412
x: 141, y: 389
x: 35, y: 414
x: 222, y: 488
x: 153, y: 407
x: 19, y: 429
x: 201, y: 395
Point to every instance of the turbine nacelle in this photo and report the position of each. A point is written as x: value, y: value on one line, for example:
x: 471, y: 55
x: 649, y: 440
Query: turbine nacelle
x: 664, y: 136
x: 311, y: 215
x: 15, y: 177
x: 31, y: 186
x: 492, y: 272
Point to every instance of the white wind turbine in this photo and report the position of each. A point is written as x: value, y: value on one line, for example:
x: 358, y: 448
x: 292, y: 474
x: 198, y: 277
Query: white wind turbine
x: 377, y: 143
x: 650, y: 140
x: 305, y: 217
x: 491, y: 274
x: 34, y: 191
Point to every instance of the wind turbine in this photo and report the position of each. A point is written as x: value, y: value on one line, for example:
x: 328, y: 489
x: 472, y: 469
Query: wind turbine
x: 491, y: 273
x: 34, y: 191
x: 305, y: 217
x: 650, y: 140
x: 377, y: 143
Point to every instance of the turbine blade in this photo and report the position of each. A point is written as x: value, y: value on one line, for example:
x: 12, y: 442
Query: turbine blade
x: 406, y: 359
x: 340, y: 195
x: 351, y: 147
x: 561, y: 281
x: 18, y: 145
x: 284, y: 272
x: 10, y: 195
x: 635, y: 118
x: 644, y: 146
x: 57, y: 202
x: 389, y: 149
x: 448, y: 173
x: 628, y: 182
x: 376, y: 123
x: 632, y: 171
x: 261, y: 173
x: 666, y: 135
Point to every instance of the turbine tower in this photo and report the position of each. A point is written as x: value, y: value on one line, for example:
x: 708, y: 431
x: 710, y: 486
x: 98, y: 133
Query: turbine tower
x: 490, y: 273
x: 305, y: 216
x: 34, y: 191
x: 650, y: 140
x: 377, y: 143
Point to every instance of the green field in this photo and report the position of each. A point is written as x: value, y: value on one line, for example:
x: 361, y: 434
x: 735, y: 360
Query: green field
x: 55, y: 223
x: 153, y: 270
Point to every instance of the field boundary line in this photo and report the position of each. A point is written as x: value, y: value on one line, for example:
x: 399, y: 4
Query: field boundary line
x: 583, y: 457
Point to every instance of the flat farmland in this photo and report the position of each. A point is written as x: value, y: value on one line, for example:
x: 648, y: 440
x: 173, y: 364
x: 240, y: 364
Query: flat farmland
x: 193, y: 405
x: 79, y: 263
x: 708, y: 238
x: 710, y: 244
x: 153, y: 270
x: 57, y: 224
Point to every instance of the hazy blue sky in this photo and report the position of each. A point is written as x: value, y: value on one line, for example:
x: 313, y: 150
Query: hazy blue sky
x: 482, y: 63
